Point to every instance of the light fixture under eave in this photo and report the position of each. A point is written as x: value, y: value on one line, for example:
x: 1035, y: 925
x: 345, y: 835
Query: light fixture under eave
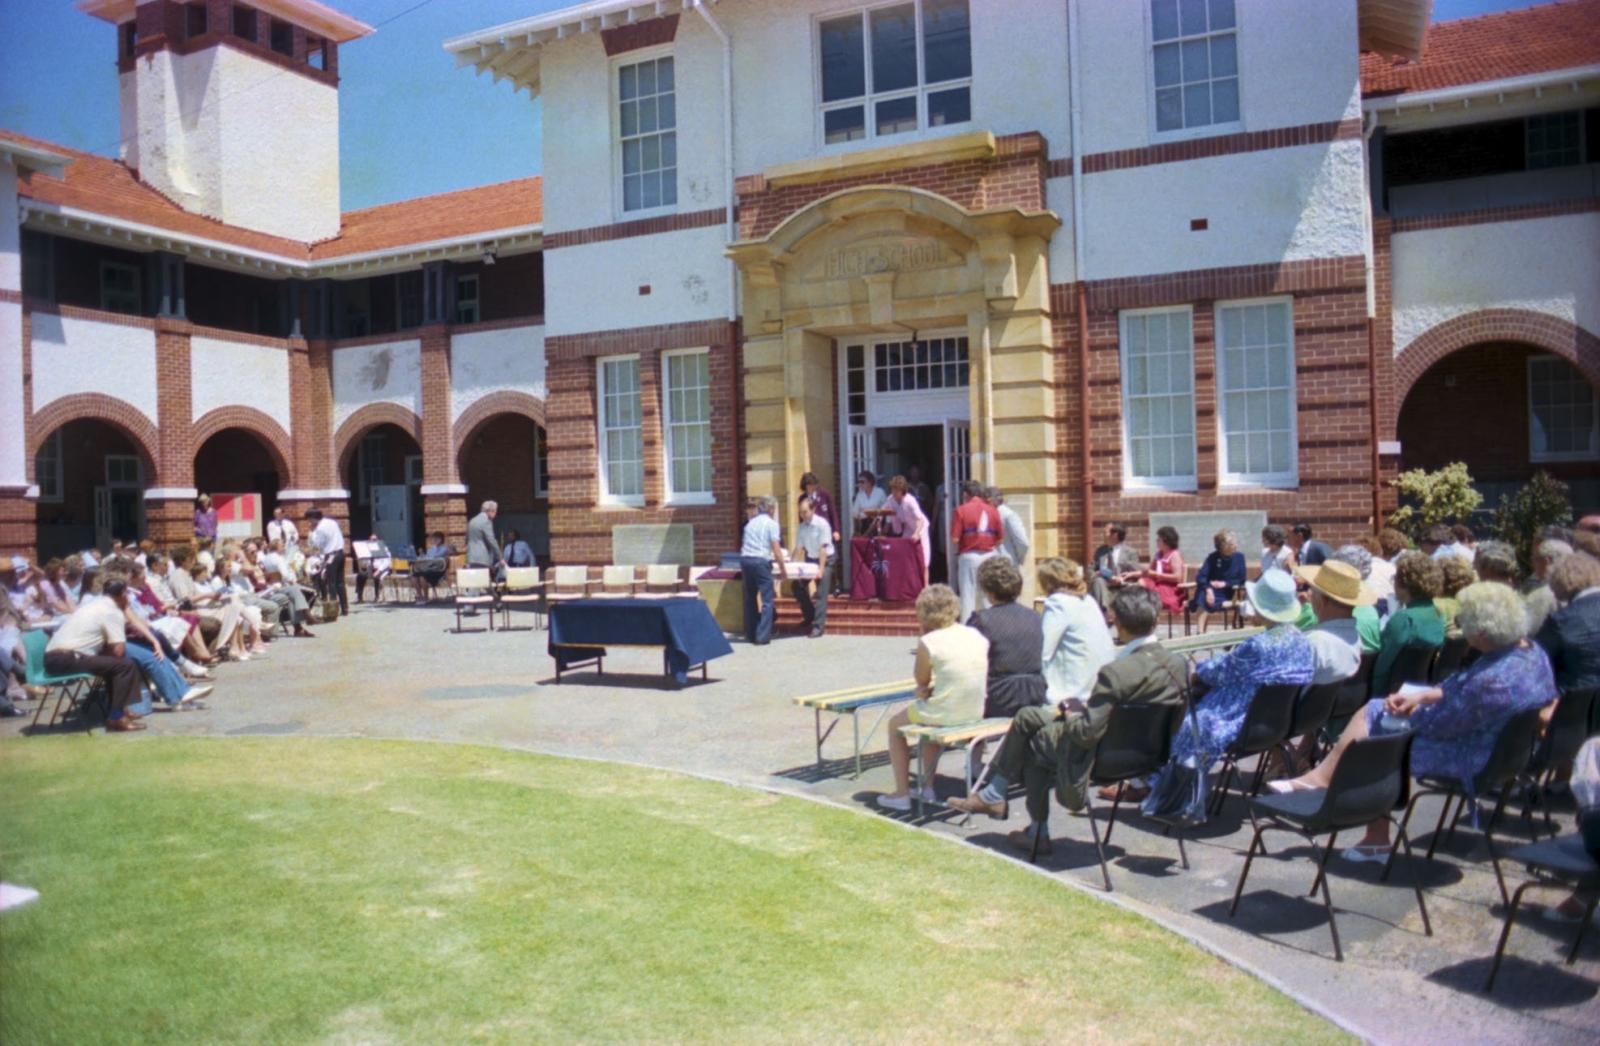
x: 488, y: 257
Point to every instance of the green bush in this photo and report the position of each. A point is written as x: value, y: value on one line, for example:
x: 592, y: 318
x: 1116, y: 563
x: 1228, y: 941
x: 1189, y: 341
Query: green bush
x: 1426, y: 498
x: 1543, y: 501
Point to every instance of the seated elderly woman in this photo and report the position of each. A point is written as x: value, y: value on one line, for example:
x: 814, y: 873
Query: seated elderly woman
x: 1016, y: 639
x: 1221, y: 575
x: 951, y: 671
x: 1455, y: 574
x: 1077, y: 643
x: 1415, y: 623
x: 429, y: 569
x: 1456, y: 723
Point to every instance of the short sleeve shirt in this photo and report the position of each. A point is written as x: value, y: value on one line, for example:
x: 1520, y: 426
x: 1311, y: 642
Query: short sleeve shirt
x: 90, y: 629
x: 759, y: 535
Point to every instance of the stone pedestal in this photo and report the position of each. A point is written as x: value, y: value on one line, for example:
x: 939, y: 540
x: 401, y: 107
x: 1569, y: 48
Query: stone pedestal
x: 19, y: 532
x: 169, y: 521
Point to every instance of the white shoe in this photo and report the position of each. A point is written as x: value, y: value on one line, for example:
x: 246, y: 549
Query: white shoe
x: 1364, y: 854
x: 902, y: 803
x: 195, y: 693
x: 928, y: 795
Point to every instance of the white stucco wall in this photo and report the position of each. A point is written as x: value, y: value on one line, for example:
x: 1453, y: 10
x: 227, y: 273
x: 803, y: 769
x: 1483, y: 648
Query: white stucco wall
x: 1278, y: 205
x: 227, y: 373
x: 72, y: 355
x: 390, y: 372
x: 237, y: 138
x: 13, y: 416
x: 596, y: 286
x: 482, y: 362
x: 1549, y: 265
x: 1298, y: 64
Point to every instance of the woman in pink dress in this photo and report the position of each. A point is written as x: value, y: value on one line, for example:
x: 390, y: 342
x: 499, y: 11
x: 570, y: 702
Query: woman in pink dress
x: 1165, y: 572
x: 910, y: 521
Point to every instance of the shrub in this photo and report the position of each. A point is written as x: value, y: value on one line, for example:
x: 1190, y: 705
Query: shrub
x: 1543, y: 501
x: 1427, y: 498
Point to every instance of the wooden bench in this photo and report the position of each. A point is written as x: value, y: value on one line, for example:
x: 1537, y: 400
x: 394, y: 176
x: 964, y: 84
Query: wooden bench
x: 839, y: 703
x: 966, y: 738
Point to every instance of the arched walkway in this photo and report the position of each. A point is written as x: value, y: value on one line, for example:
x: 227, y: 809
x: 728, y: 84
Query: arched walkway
x: 504, y: 401
x: 123, y: 416
x: 368, y: 418
x: 266, y: 430
x: 502, y: 455
x: 1524, y: 326
x: 381, y: 466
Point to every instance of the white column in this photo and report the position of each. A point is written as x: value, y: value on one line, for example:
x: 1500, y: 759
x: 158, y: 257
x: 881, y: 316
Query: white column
x: 13, y: 417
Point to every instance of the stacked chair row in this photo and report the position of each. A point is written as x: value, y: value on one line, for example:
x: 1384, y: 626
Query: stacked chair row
x: 536, y: 589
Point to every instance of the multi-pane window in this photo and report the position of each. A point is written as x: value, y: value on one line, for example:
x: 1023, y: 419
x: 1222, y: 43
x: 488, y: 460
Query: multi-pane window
x: 467, y: 299
x: 914, y: 366
x: 1158, y: 395
x: 369, y: 466
x: 541, y: 463
x: 119, y: 287
x: 647, y: 121
x: 1563, y: 423
x: 889, y: 70
x: 1555, y: 140
x: 1195, y: 62
x: 855, y: 371
x: 408, y: 300
x: 1255, y: 392
x: 124, y: 470
x: 687, y: 423
x: 47, y: 470
x: 621, y: 441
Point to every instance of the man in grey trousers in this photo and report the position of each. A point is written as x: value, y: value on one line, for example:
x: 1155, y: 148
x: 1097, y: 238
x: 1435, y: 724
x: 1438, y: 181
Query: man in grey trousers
x: 482, y: 548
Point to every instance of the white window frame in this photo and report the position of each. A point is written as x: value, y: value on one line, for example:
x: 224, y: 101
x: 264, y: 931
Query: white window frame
x: 123, y: 462
x: 475, y: 301
x: 1158, y: 484
x: 106, y: 267
x: 868, y: 100
x: 1536, y: 456
x: 363, y: 450
x: 1280, y: 480
x: 606, y: 497
x: 614, y: 92
x: 49, y: 452
x: 694, y: 497
x: 1204, y: 130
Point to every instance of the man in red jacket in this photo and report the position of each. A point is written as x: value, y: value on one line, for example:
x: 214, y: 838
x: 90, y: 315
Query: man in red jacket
x: 975, y: 531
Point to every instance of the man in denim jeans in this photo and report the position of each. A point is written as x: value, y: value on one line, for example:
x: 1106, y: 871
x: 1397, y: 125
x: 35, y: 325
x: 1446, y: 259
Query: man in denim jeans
x: 761, y: 546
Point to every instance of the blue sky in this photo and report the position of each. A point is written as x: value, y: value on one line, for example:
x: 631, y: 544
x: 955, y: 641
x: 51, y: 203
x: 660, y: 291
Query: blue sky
x: 411, y: 123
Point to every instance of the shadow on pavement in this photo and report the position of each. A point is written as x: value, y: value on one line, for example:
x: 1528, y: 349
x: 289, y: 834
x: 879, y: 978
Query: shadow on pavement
x: 1522, y: 984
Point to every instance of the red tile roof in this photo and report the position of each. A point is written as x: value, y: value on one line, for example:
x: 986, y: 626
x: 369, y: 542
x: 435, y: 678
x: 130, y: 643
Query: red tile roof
x: 107, y: 187
x: 1539, y: 39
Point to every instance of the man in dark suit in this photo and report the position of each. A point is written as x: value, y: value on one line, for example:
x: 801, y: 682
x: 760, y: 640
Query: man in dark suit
x: 1048, y: 746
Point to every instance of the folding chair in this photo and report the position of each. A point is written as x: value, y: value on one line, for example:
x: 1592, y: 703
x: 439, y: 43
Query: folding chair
x: 1508, y: 760
x: 522, y: 586
x: 1569, y: 727
x: 662, y: 581
x: 1562, y: 862
x: 1449, y: 659
x: 477, y: 581
x: 1314, y: 707
x: 73, y: 689
x: 1266, y: 726
x: 617, y: 580
x: 692, y: 585
x: 567, y: 583
x: 1137, y: 743
x: 1414, y: 664
x: 1368, y: 785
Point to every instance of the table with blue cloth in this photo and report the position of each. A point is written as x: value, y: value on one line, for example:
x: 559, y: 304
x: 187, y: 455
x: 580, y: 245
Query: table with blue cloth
x: 582, y: 629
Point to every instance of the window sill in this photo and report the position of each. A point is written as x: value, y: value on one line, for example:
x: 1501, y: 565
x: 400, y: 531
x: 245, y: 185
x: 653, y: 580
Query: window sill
x: 646, y: 213
x: 619, y: 504
x: 1210, y: 130
x: 875, y: 155
x: 688, y: 500
x: 1562, y: 459
x: 1132, y: 489
x: 1253, y: 486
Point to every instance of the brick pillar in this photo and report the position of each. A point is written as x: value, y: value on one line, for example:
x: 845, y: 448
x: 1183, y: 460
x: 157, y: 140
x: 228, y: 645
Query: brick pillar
x: 19, y: 532
x: 443, y: 494
x: 169, y: 499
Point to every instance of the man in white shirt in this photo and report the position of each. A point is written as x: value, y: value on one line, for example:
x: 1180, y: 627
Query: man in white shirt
x: 869, y: 497
x: 328, y: 540
x: 281, y: 528
x: 1336, y: 591
x: 93, y: 640
x: 1014, y: 535
x: 814, y: 544
x: 761, y: 547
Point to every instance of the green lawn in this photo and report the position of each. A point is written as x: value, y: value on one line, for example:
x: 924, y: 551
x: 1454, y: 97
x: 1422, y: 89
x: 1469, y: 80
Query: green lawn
x: 362, y: 891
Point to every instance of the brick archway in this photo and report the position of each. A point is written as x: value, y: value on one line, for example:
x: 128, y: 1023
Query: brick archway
x: 1523, y: 326
x: 264, y: 428
x: 368, y: 418
x: 504, y: 401
x: 94, y: 406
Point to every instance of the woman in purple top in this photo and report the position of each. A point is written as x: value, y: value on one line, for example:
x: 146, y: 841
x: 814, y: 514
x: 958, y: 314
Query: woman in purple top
x: 205, y: 519
x: 821, y: 503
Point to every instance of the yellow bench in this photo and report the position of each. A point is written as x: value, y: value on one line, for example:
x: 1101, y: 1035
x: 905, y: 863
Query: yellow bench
x: 838, y: 703
x: 965, y: 737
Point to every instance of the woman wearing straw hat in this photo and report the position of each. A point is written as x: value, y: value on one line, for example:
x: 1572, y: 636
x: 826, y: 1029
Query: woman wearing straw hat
x: 1282, y: 654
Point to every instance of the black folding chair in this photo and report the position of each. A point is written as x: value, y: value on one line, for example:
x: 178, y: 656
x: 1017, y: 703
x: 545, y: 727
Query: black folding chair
x: 1508, y: 761
x: 1266, y: 726
x: 1137, y: 743
x: 1369, y: 783
x: 1450, y: 659
x: 1414, y: 664
x: 1560, y: 862
x: 1312, y: 710
x: 1569, y: 728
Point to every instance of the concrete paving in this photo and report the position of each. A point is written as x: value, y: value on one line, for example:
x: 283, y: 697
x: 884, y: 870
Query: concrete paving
x: 397, y: 671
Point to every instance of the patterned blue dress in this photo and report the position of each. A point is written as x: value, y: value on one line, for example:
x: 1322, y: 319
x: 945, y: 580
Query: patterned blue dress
x: 1455, y: 734
x: 1282, y: 654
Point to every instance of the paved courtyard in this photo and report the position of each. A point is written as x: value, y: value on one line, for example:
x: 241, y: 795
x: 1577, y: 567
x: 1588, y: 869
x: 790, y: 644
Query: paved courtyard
x: 397, y: 671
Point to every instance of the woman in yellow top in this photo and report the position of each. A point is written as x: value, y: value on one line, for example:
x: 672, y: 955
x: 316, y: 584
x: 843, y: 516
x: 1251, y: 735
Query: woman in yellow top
x: 952, y: 672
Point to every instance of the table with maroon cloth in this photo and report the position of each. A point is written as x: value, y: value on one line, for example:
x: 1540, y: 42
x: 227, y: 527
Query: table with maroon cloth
x: 884, y: 568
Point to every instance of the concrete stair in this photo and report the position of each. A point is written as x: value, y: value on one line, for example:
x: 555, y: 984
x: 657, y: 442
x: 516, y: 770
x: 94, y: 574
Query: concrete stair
x: 848, y: 617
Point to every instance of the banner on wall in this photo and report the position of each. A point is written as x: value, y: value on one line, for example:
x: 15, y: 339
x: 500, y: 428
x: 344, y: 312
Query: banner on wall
x: 238, y: 515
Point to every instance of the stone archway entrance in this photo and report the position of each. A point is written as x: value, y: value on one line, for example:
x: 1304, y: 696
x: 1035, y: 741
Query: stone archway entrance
x: 900, y: 266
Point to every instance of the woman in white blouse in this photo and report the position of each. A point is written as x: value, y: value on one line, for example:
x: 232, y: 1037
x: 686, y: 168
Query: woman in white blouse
x: 869, y: 497
x: 1076, y: 641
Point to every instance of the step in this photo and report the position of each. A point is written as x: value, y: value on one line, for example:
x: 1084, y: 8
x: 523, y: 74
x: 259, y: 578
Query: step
x: 848, y: 617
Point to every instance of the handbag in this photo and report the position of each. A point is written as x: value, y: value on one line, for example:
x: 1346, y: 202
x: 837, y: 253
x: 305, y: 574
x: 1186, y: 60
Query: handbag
x: 1181, y: 794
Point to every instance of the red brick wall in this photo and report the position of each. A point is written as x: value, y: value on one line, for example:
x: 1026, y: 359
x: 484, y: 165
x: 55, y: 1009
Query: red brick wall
x: 497, y: 463
x: 580, y: 528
